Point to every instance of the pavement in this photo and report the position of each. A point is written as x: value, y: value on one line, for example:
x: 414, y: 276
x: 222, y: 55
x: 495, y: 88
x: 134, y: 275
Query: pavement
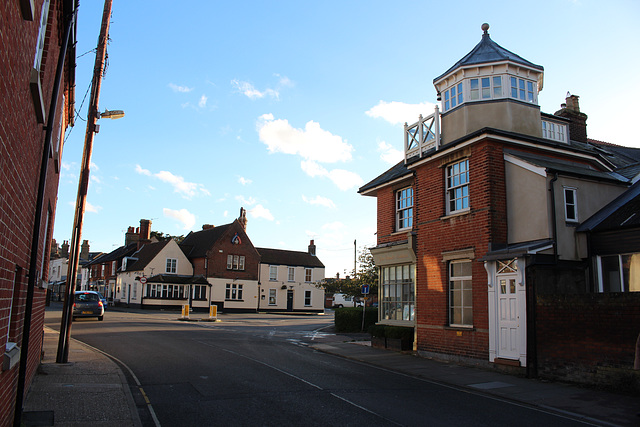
x: 92, y: 389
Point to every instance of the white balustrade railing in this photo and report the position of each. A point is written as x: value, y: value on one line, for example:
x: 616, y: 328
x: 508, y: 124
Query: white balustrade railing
x: 422, y: 136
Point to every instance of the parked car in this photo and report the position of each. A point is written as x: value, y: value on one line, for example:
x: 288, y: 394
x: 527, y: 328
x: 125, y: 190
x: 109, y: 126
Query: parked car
x: 104, y: 300
x: 88, y: 304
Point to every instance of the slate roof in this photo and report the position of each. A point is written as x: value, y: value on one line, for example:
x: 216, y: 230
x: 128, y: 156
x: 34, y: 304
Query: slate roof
x: 567, y: 167
x: 488, y: 51
x: 178, y: 280
x: 116, y: 254
x: 622, y: 212
x: 196, y: 244
x: 290, y: 258
x: 145, y: 255
x: 397, y: 171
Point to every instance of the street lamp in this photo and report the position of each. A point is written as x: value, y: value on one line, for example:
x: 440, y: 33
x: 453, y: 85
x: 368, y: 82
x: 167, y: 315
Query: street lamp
x: 113, y: 114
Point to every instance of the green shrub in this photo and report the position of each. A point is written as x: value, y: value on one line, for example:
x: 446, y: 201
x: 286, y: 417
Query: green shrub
x: 349, y: 319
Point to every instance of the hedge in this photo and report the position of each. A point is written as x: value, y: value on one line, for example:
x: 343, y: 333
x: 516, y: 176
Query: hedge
x: 386, y: 331
x: 349, y: 319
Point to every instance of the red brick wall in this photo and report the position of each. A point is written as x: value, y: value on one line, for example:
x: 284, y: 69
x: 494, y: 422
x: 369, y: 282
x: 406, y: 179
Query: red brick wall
x: 21, y: 145
x: 436, y: 233
x: 218, y: 260
x: 579, y: 334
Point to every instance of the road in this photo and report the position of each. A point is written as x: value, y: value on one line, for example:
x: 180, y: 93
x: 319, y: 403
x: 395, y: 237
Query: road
x: 254, y: 369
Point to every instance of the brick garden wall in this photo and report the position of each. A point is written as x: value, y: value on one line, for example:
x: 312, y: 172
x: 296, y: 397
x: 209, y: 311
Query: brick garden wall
x: 588, y: 338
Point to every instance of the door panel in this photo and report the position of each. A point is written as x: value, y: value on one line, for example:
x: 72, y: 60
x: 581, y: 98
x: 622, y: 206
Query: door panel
x: 508, y: 319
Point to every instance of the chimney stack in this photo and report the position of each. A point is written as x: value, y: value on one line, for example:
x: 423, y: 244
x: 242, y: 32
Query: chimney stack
x: 144, y: 233
x: 130, y: 236
x: 578, y: 121
x: 312, y: 248
x: 84, y: 250
x: 243, y: 218
x: 64, y: 249
x: 208, y: 226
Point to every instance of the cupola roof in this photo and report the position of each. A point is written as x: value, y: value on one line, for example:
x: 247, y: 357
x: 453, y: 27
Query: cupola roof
x: 486, y: 52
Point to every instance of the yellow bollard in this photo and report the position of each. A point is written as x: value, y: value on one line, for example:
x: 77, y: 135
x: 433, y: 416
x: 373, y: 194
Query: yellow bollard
x: 213, y: 312
x: 185, y: 311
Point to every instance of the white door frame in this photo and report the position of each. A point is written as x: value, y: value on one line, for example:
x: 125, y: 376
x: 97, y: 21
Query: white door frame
x: 493, y: 309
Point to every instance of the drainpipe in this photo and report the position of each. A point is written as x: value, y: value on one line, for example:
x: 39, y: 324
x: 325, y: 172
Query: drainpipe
x: 69, y: 19
x: 553, y: 216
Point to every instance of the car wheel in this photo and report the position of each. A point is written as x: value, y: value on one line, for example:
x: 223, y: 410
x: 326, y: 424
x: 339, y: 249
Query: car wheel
x: 101, y: 317
x: 339, y: 306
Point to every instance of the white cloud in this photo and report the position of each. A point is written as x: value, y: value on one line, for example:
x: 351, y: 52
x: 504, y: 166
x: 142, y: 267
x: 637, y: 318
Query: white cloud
x: 313, y: 169
x: 225, y: 214
x: 319, y: 200
x: 261, y: 212
x: 95, y: 179
x: 142, y: 171
x: 389, y: 154
x: 91, y: 208
x: 187, y: 189
x: 203, y: 101
x: 93, y: 166
x: 311, y: 143
x: 186, y: 218
x: 344, y: 179
x: 66, y: 166
x: 248, y: 202
x: 244, y: 181
x: 396, y: 112
x: 248, y: 90
x: 182, y: 89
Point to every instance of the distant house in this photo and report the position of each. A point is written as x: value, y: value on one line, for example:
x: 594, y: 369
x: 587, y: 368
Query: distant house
x: 158, y: 275
x: 506, y: 237
x: 103, y: 270
x: 289, y: 280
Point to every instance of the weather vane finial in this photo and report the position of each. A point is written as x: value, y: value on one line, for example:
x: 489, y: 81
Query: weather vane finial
x: 485, y: 28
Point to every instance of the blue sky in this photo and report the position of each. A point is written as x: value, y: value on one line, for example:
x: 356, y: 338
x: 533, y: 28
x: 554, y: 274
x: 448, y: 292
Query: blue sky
x: 286, y: 108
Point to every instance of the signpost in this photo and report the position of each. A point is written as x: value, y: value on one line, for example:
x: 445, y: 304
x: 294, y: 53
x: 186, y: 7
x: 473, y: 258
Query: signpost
x: 365, y: 291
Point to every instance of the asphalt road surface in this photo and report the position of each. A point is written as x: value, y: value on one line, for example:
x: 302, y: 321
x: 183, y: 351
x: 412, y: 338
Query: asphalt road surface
x: 254, y: 369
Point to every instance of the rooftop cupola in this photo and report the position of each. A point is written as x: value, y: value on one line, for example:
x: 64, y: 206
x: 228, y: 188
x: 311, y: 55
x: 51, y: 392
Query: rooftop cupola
x: 489, y: 87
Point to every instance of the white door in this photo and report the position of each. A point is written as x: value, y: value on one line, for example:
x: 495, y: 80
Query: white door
x: 508, y: 319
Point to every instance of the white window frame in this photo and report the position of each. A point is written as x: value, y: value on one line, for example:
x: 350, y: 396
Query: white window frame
x: 404, y: 208
x: 171, y: 267
x: 291, y: 274
x: 456, y: 188
x: 273, y: 272
x: 308, y: 275
x: 573, y: 205
x: 453, y: 96
x: 523, y: 89
x: 273, y: 296
x: 235, y: 262
x: 307, y: 298
x: 233, y: 292
x: 398, y: 293
x: 464, y: 305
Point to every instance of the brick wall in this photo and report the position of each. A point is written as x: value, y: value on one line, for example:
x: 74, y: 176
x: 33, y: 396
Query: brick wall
x: 580, y: 335
x: 217, y: 260
x: 21, y: 145
x: 436, y: 233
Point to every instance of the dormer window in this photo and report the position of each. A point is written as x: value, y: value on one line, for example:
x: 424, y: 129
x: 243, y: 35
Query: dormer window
x: 554, y: 131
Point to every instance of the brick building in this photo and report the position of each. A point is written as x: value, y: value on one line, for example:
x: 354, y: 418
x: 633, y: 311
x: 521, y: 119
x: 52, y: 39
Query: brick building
x: 36, y: 109
x: 477, y: 228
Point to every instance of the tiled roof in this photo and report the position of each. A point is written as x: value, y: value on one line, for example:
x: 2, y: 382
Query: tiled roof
x: 145, y: 255
x: 196, y: 244
x: 488, y: 51
x: 290, y: 258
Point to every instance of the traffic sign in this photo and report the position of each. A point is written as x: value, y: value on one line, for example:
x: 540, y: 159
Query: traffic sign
x: 365, y: 289
x: 143, y: 280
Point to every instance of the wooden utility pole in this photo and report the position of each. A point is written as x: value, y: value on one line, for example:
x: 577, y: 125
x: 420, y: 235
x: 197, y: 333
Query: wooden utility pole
x: 76, y: 234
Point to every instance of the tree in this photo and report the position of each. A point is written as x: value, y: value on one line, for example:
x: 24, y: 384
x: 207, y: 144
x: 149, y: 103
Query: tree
x: 162, y: 237
x: 367, y: 274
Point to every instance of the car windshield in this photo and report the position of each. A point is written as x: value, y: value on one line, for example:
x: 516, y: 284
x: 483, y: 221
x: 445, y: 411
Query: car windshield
x: 87, y: 297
